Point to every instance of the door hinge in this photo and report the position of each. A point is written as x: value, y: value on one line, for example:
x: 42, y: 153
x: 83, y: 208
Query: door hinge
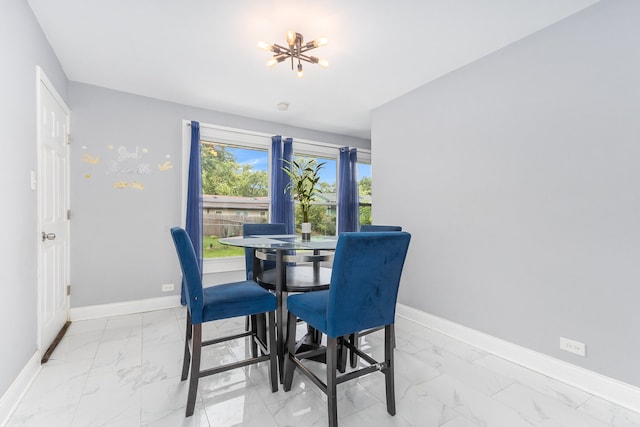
x: 68, y: 213
x: 68, y: 290
x: 68, y: 139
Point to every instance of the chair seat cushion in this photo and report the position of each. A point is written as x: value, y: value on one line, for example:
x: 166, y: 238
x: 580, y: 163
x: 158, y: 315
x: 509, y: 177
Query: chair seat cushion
x: 236, y: 299
x: 310, y: 307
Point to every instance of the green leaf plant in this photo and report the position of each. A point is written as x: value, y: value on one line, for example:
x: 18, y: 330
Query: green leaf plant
x: 304, y: 174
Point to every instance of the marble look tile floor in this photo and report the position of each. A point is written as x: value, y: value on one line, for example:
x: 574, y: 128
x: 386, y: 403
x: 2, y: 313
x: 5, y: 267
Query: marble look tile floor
x: 125, y: 371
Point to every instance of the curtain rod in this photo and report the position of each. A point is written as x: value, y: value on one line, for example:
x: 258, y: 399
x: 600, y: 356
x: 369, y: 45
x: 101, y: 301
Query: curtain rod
x: 266, y: 135
x: 229, y: 129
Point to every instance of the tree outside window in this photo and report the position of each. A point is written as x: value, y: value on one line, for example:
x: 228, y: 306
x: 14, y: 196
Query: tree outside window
x: 364, y: 192
x: 235, y: 189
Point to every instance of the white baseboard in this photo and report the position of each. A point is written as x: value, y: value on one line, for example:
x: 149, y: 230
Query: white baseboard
x: 19, y: 387
x: 615, y: 391
x: 120, y: 308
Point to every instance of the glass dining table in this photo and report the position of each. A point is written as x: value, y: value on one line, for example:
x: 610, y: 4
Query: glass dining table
x: 288, y: 251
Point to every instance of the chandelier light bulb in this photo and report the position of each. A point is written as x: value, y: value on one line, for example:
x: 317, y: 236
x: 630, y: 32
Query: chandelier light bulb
x: 272, y: 62
x: 263, y: 45
x: 322, y: 41
x: 300, y: 72
x: 291, y: 37
x: 323, y: 63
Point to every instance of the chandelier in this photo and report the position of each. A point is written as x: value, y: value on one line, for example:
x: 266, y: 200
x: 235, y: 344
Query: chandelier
x: 296, y: 50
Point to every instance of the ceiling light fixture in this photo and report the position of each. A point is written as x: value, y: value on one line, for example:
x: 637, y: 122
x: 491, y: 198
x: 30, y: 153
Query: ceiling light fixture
x: 296, y: 50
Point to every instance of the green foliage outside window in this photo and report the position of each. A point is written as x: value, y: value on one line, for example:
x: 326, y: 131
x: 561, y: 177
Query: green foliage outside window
x: 364, y: 186
x: 365, y: 215
x: 223, y: 175
x: 322, y: 223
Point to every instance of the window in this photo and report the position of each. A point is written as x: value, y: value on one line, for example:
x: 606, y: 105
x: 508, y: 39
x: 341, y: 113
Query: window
x: 235, y: 178
x: 323, y: 212
x: 235, y: 186
x: 364, y: 192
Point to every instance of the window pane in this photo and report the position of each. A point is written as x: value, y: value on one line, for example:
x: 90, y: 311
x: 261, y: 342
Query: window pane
x: 235, y: 190
x: 322, y: 214
x: 364, y: 192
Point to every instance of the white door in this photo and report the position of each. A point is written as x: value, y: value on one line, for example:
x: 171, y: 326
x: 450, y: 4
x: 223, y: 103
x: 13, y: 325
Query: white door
x: 53, y: 205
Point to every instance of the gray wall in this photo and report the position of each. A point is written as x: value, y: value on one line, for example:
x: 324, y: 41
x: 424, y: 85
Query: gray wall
x: 120, y: 244
x: 521, y: 186
x: 23, y: 46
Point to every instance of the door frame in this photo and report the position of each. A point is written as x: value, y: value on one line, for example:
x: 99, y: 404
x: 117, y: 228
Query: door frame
x: 43, y: 81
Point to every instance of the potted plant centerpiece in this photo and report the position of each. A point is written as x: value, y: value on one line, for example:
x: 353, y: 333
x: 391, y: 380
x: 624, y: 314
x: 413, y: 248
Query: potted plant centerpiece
x: 304, y: 174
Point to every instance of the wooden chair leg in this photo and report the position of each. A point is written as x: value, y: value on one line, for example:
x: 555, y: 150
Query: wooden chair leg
x: 261, y: 328
x: 273, y: 353
x: 186, y: 360
x: 354, y: 339
x: 343, y: 354
x: 189, y: 330
x: 315, y: 335
x: 195, y: 368
x: 393, y: 336
x: 253, y: 323
x: 332, y: 365
x: 389, y: 343
x: 291, y: 348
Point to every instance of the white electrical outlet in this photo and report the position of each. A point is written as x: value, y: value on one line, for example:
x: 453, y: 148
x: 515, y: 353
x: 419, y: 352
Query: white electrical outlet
x: 572, y: 346
x: 167, y: 287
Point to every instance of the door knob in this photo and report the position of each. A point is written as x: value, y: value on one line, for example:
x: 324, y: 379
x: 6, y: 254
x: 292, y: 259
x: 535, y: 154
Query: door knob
x: 48, y: 236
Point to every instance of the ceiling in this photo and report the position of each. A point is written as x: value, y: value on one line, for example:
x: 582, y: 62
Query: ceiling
x: 204, y: 53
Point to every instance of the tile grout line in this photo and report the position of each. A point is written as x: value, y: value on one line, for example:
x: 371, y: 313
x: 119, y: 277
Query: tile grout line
x: 84, y: 386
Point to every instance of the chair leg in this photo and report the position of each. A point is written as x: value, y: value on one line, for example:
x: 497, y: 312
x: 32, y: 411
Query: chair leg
x: 254, y: 332
x: 273, y: 353
x: 314, y: 334
x: 291, y: 343
x: 389, y: 343
x: 195, y: 369
x: 393, y: 337
x: 343, y: 354
x: 186, y: 360
x: 332, y: 365
x: 189, y: 333
x: 261, y: 328
x: 355, y: 341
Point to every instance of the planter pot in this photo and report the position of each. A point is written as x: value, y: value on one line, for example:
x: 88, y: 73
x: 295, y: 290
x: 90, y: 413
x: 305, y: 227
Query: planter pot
x: 306, y: 231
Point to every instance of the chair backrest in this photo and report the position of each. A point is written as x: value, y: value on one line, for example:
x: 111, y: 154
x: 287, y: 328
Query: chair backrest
x: 249, y: 229
x: 364, y: 281
x: 369, y: 227
x: 190, y: 273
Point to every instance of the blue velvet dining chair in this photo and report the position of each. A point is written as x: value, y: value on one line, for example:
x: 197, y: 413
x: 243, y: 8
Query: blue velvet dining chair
x: 362, y: 295
x: 249, y: 229
x: 218, y: 302
x: 355, y: 338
